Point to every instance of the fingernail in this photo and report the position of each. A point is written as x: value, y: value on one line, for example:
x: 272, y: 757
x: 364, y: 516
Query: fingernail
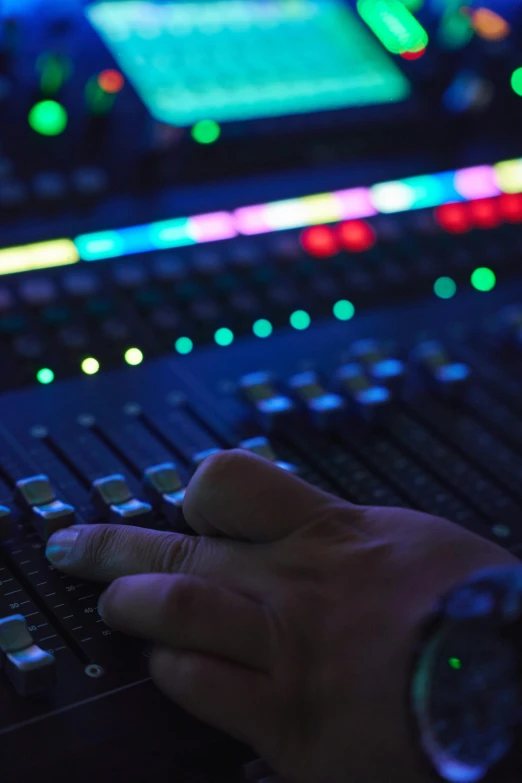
x: 100, y: 603
x: 60, y: 544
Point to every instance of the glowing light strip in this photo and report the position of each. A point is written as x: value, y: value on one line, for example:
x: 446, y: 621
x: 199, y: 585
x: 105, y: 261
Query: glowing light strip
x: 430, y: 190
x: 43, y: 255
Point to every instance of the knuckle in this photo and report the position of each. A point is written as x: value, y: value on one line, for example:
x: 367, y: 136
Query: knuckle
x: 101, y: 545
x: 171, y: 554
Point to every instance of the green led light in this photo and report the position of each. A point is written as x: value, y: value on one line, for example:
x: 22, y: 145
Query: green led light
x: 343, y: 310
x: 224, y: 337
x: 455, y: 663
x: 206, y: 132
x: 516, y: 81
x: 394, y: 25
x: 445, y: 287
x: 90, y: 366
x: 262, y: 328
x: 133, y: 357
x: 483, y: 279
x: 413, y: 5
x: 48, y: 118
x: 45, y: 376
x: 303, y: 56
x: 300, y: 320
x: 184, y: 345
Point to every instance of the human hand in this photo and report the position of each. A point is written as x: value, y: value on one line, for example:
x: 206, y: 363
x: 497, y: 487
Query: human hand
x: 290, y: 622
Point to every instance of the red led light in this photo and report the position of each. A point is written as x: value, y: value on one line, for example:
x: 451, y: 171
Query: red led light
x: 454, y: 218
x: 485, y: 213
x: 111, y: 81
x: 320, y: 241
x: 413, y: 55
x: 356, y: 236
x: 511, y: 207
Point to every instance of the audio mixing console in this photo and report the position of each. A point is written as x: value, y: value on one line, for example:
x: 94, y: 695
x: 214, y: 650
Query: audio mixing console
x: 290, y: 227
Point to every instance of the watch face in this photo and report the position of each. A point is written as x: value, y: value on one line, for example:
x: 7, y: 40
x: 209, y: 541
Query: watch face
x: 471, y: 701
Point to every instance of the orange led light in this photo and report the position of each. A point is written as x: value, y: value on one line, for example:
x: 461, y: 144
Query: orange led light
x: 111, y: 81
x: 490, y: 25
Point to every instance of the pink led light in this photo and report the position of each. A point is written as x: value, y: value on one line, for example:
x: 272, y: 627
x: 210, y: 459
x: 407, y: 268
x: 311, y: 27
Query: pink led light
x: 476, y: 182
x: 252, y: 220
x: 355, y: 203
x: 212, y: 227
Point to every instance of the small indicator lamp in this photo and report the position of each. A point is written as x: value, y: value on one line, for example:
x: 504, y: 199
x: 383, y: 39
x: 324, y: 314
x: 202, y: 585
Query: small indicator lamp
x: 133, y: 357
x: 45, y: 376
x: 455, y: 663
x: 490, y: 25
x: 300, y: 320
x: 454, y: 218
x: 356, y: 236
x: 483, y: 279
x: 343, y: 310
x: 90, y: 366
x: 516, y: 81
x: 111, y: 81
x: 99, y: 101
x: 445, y: 288
x: 184, y: 345
x: 262, y: 328
x: 48, y: 118
x: 206, y: 132
x: 224, y: 337
x: 320, y: 241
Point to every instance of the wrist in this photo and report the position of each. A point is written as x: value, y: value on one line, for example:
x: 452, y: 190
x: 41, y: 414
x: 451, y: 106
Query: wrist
x: 464, y: 688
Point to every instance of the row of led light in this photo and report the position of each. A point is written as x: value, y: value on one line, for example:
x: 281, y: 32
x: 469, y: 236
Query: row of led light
x: 482, y: 279
x: 387, y: 197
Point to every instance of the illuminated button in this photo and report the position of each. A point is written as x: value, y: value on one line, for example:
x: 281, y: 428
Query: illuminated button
x: 38, y: 291
x: 13, y: 194
x: 6, y: 299
x: 90, y: 366
x: 449, y: 377
x: 90, y: 180
x: 112, y: 495
x: 74, y: 337
x: 129, y: 275
x: 263, y: 448
x: 29, y: 346
x: 115, y: 329
x: 80, y: 283
x: 49, y: 186
x: 383, y: 369
x: 30, y: 669
x: 165, y: 490
x: 323, y: 407
x: 260, y: 391
x: 48, y: 514
x: 368, y: 398
x: 168, y: 266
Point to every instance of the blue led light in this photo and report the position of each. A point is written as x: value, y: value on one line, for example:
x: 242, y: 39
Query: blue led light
x: 104, y: 244
x: 256, y: 379
x: 451, y: 373
x: 275, y: 405
x: 375, y: 395
x: 327, y: 402
x: 388, y: 368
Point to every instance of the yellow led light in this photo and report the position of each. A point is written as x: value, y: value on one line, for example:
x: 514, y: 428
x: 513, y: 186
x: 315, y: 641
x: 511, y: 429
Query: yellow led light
x: 133, y: 357
x: 324, y: 208
x: 90, y: 366
x: 43, y: 255
x: 508, y: 175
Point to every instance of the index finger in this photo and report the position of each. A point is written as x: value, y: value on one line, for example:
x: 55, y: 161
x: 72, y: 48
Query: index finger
x: 105, y: 552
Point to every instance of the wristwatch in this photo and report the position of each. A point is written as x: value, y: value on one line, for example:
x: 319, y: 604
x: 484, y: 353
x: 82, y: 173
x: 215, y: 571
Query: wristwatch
x: 465, y: 689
